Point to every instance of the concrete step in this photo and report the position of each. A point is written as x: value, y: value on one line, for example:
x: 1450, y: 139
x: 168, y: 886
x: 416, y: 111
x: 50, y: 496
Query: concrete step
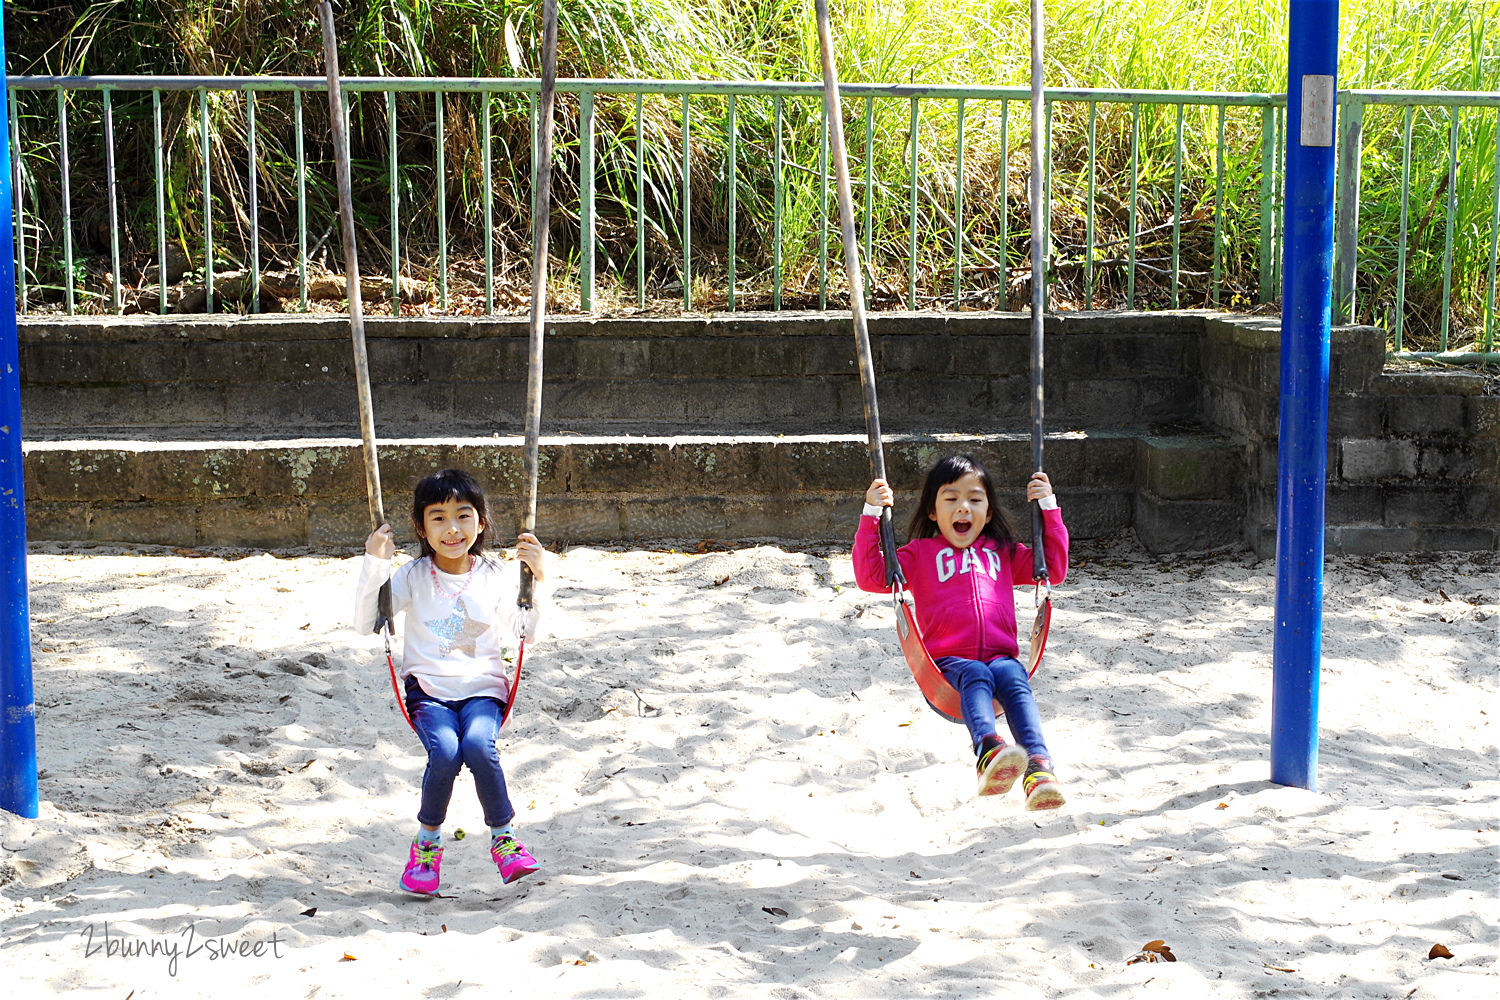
x: 1180, y: 493
x: 272, y: 378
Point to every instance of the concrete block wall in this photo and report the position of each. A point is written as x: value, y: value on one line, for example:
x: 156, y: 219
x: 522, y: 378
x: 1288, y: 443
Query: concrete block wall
x: 266, y: 377
x: 1413, y: 457
x: 242, y: 431
x: 1188, y: 489
x: 281, y: 495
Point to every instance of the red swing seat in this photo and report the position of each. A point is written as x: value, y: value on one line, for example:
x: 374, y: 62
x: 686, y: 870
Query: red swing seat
x: 941, y: 696
x: 510, y: 702
x: 515, y: 683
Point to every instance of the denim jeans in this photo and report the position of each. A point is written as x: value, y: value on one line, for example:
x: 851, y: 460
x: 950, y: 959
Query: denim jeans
x: 456, y: 733
x: 981, y: 684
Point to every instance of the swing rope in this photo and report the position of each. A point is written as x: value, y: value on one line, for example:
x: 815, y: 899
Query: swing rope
x: 1039, y: 216
x: 384, y: 620
x: 540, y: 226
x: 940, y: 695
x: 893, y: 575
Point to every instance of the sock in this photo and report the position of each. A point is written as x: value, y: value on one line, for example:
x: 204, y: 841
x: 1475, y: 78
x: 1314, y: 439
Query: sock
x: 426, y: 836
x: 496, y: 832
x: 986, y: 744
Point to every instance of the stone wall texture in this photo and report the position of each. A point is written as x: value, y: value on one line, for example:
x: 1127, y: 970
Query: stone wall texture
x: 243, y: 431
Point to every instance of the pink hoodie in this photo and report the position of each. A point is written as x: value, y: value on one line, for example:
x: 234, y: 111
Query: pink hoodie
x: 965, y: 597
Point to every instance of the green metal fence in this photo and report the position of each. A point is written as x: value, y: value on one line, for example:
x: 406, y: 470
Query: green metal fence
x: 1376, y: 130
x: 1184, y: 214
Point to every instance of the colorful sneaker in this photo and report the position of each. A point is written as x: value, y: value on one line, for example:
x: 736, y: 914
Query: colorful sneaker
x: 513, y: 860
x: 999, y: 768
x: 1041, y: 785
x: 421, y: 875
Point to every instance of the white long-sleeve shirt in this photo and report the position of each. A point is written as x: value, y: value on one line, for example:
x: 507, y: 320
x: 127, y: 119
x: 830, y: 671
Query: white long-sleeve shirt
x: 456, y: 627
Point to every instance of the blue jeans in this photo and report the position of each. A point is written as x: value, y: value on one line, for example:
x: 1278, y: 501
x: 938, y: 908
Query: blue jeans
x: 981, y: 684
x: 456, y: 733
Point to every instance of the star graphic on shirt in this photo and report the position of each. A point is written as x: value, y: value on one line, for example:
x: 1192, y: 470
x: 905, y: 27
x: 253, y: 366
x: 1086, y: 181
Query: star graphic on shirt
x: 457, y: 631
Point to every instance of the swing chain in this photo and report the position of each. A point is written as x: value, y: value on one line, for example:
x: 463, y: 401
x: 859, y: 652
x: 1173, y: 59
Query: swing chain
x: 1043, y: 592
x: 385, y: 627
x: 898, y: 605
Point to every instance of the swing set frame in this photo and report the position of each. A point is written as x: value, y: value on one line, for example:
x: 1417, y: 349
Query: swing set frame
x: 1311, y: 79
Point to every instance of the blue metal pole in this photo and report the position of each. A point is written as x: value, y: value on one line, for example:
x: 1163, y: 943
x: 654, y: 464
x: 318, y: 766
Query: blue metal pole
x: 17, y: 711
x: 1306, y: 319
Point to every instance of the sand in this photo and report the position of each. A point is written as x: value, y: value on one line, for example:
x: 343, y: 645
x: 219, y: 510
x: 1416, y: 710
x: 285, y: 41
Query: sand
x: 736, y: 791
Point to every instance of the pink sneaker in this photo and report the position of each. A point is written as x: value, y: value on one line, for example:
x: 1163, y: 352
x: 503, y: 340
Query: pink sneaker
x: 513, y: 860
x: 999, y: 768
x: 1041, y: 785
x: 421, y: 875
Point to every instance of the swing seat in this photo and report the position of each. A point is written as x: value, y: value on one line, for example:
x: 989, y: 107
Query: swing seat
x: 941, y: 696
x: 510, y: 701
x: 515, y: 684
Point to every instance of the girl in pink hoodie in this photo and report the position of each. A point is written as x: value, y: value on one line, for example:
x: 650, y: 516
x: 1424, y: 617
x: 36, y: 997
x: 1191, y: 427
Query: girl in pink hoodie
x: 962, y: 566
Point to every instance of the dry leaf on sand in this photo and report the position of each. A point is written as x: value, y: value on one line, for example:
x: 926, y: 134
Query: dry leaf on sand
x: 1152, y: 951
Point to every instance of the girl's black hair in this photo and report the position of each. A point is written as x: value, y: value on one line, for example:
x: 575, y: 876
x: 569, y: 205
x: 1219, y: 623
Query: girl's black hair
x: 440, y: 487
x: 949, y: 470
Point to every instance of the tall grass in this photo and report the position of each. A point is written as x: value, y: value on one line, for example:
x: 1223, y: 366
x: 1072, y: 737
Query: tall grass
x: 1205, y: 45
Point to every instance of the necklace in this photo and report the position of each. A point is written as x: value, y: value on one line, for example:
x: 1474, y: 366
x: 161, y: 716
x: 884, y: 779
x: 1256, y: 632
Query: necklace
x: 437, y: 584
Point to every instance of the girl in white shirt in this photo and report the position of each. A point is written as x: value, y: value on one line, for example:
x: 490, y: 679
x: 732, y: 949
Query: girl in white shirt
x: 460, y: 606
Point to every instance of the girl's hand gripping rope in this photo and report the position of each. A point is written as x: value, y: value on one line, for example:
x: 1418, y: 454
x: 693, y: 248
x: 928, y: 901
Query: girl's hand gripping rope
x: 382, y: 545
x: 1038, y: 489
x: 533, y: 557
x: 880, y: 495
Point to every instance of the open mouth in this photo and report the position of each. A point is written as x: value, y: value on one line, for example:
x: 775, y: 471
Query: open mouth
x: 962, y: 527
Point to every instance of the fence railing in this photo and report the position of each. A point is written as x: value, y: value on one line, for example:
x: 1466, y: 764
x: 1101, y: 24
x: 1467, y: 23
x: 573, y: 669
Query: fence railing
x: 1176, y: 203
x: 1365, y: 150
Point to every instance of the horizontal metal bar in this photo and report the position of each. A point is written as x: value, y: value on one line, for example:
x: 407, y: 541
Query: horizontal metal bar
x: 384, y: 84
x: 1427, y: 98
x: 1456, y: 357
x: 416, y: 84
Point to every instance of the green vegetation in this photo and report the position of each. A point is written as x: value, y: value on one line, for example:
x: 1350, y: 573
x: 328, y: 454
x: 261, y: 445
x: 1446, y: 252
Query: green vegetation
x: 1201, y: 45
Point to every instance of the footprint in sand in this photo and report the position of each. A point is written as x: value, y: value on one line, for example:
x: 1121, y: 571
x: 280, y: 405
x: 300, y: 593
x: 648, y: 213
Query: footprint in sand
x: 857, y: 772
x: 902, y: 759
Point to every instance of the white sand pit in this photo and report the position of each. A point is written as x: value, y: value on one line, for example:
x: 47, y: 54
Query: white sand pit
x: 736, y: 791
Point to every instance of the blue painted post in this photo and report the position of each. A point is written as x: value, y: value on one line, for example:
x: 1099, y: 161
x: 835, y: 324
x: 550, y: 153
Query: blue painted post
x: 17, y: 711
x: 1302, y: 461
